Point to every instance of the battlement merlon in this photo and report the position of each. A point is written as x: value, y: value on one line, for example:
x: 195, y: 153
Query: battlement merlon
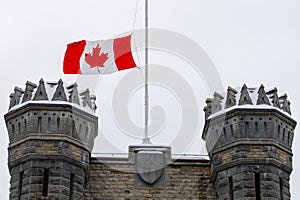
x: 52, y: 93
x: 250, y: 98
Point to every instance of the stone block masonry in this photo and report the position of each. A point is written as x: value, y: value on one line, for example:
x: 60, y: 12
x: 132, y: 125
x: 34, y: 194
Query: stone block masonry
x: 250, y: 145
x: 184, y: 179
x: 51, y: 128
x: 51, y: 138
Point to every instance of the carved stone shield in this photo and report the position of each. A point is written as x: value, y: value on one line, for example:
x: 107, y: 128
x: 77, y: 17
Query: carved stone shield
x: 149, y: 165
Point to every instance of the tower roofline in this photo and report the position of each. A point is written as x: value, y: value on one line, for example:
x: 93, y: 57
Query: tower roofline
x: 52, y: 93
x: 222, y: 115
x: 54, y: 106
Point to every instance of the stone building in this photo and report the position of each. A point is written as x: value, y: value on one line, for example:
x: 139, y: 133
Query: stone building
x: 52, y: 128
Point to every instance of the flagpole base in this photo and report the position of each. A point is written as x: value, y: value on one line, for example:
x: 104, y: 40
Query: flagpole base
x: 146, y: 141
x: 133, y: 150
x: 149, y: 162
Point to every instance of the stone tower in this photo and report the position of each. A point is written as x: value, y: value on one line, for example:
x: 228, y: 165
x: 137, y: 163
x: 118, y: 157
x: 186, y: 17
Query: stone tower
x: 51, y: 131
x: 249, y: 136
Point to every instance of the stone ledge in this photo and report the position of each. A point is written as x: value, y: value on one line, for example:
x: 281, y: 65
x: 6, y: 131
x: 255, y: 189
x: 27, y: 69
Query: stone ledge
x: 246, y: 111
x: 49, y: 107
x: 249, y: 161
x: 49, y: 157
x: 231, y: 113
x: 252, y: 141
x: 125, y: 161
x: 49, y: 137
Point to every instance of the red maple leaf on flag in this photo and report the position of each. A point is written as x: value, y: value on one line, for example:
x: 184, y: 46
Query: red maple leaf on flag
x: 96, y: 59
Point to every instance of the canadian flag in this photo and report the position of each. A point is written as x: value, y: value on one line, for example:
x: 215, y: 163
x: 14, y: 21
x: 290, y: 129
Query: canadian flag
x: 98, y: 57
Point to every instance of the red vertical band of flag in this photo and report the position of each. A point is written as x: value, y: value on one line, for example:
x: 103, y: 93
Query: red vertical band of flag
x: 72, y: 57
x: 122, y: 53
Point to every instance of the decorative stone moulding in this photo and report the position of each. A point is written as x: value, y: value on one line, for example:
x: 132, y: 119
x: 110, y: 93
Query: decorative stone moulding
x: 51, y: 93
x: 247, y: 97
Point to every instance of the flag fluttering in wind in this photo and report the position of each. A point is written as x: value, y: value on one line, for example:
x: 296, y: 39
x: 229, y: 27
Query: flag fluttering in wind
x: 98, y: 57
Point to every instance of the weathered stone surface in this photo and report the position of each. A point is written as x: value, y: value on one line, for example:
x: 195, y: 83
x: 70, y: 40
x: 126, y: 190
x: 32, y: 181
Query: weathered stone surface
x: 41, y: 93
x: 149, y: 165
x: 274, y: 97
x: 50, y: 146
x: 28, y: 91
x: 59, y: 94
x: 245, y: 98
x: 230, y: 97
x: 15, y: 97
x: 45, y: 160
x: 262, y: 97
x: 86, y: 98
x: 73, y: 97
x: 182, y: 181
x: 216, y: 103
x: 252, y: 147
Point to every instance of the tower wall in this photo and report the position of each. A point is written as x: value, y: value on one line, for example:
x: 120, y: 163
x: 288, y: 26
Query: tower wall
x: 250, y: 151
x: 49, y: 150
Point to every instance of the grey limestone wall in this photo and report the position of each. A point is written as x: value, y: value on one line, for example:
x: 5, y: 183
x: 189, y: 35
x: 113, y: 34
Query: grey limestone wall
x: 109, y: 180
x: 251, y: 155
x: 272, y: 183
x: 50, y: 119
x: 47, y: 179
x: 49, y: 151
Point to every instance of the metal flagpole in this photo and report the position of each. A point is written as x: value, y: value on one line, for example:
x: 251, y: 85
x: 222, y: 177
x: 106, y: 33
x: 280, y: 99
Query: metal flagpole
x: 146, y: 139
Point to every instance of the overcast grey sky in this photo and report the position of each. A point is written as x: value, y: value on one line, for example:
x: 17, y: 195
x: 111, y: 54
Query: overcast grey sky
x: 249, y: 41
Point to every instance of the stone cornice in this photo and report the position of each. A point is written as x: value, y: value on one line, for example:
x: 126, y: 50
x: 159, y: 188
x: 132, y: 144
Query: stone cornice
x: 249, y: 161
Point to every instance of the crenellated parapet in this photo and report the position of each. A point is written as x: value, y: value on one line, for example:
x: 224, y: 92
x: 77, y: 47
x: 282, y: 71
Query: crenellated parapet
x: 245, y: 97
x: 51, y: 92
x: 249, y: 135
x: 47, y: 110
x: 51, y: 128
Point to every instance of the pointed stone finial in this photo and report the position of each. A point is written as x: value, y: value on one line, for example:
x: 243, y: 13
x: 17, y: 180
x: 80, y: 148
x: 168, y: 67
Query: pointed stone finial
x: 59, y: 94
x: 216, y: 103
x: 41, y: 93
x: 245, y: 98
x: 73, y: 97
x: 274, y: 97
x: 230, y: 97
x: 28, y: 91
x: 262, y: 97
x: 86, y: 99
